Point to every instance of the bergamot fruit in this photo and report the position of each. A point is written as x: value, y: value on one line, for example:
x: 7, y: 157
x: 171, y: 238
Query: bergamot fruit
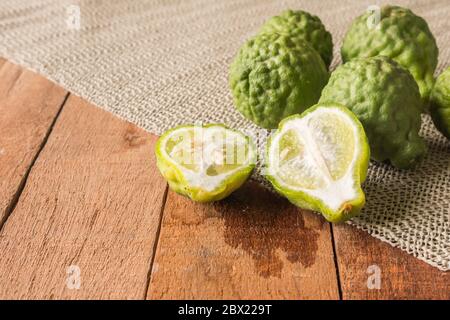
x: 303, y: 26
x: 386, y: 100
x: 319, y: 159
x: 273, y: 77
x: 205, y: 163
x: 440, y: 103
x: 400, y: 35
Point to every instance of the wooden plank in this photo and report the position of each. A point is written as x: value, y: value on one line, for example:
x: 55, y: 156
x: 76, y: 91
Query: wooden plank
x: 90, y: 211
x: 251, y: 245
x: 361, y: 258
x: 28, y: 106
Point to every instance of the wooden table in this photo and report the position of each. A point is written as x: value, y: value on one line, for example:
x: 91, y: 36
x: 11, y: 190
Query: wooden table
x: 84, y: 213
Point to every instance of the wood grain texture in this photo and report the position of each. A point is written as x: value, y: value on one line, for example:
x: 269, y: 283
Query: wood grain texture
x: 252, y: 245
x: 92, y: 201
x: 28, y: 105
x: 402, y: 276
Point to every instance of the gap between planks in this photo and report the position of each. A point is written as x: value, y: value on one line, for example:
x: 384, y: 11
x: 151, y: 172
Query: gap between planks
x: 28, y: 107
x: 10, y: 208
x: 336, y: 263
x: 158, y: 232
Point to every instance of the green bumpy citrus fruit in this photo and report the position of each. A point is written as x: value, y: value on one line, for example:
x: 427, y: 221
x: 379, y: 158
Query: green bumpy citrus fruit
x: 273, y: 77
x: 440, y: 103
x: 303, y: 26
x: 386, y: 100
x: 400, y: 35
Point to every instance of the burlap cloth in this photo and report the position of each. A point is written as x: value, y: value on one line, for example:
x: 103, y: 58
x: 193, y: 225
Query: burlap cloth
x: 159, y: 63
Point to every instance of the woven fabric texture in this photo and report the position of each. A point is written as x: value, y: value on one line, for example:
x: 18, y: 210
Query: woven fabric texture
x: 160, y: 63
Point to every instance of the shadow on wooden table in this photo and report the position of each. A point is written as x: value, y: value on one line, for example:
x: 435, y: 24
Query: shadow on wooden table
x: 262, y: 223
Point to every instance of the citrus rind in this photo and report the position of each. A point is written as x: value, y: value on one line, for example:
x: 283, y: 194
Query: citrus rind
x: 324, y: 169
x: 207, y: 163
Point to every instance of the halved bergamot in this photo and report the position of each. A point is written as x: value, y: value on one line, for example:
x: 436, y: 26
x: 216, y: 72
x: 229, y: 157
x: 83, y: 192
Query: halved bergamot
x: 319, y: 159
x: 205, y: 163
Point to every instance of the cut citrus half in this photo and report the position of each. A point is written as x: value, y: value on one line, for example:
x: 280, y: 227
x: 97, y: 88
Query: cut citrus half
x: 205, y: 163
x: 319, y: 159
